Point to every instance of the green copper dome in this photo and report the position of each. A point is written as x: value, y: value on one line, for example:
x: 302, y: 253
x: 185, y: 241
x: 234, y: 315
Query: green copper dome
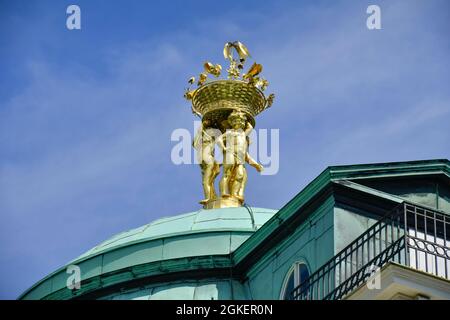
x: 189, y: 241
x: 190, y: 225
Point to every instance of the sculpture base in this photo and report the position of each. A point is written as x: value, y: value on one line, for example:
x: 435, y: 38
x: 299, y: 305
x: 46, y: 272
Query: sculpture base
x: 229, y: 202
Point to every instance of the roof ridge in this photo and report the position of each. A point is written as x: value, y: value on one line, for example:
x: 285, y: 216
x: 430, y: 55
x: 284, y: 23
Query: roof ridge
x: 393, y: 164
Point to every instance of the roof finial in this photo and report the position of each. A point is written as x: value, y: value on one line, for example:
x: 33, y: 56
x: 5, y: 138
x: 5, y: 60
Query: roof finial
x: 227, y: 108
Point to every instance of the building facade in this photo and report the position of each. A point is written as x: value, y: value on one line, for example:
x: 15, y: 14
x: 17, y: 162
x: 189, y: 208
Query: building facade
x: 375, y: 231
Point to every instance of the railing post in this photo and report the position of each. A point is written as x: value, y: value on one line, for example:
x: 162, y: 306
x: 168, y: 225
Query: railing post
x: 405, y: 236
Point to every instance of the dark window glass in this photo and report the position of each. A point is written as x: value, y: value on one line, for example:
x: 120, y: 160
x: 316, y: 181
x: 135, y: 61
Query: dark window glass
x: 303, y: 272
x: 303, y: 275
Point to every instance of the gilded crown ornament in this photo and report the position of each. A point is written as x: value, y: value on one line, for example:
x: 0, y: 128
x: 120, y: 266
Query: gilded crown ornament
x: 228, y: 108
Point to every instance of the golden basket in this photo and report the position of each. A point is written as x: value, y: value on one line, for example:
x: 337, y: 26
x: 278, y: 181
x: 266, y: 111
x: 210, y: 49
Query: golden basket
x: 215, y: 100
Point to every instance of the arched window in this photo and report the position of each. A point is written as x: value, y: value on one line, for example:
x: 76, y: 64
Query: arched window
x: 296, y: 275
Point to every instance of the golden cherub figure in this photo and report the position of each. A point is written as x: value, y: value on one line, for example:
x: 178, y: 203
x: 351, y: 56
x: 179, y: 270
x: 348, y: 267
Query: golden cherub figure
x: 204, y: 143
x: 234, y: 143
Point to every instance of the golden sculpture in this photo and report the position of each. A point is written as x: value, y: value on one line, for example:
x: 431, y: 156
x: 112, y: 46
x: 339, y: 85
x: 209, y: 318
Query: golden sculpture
x: 204, y: 143
x: 228, y: 108
x: 234, y: 143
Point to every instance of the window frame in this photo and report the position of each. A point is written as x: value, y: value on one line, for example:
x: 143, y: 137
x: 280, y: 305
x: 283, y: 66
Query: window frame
x: 296, y: 269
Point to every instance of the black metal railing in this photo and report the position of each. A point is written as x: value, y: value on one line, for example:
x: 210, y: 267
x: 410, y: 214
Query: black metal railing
x: 409, y: 235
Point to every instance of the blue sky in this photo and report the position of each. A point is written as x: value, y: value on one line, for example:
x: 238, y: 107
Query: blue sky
x: 86, y: 115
